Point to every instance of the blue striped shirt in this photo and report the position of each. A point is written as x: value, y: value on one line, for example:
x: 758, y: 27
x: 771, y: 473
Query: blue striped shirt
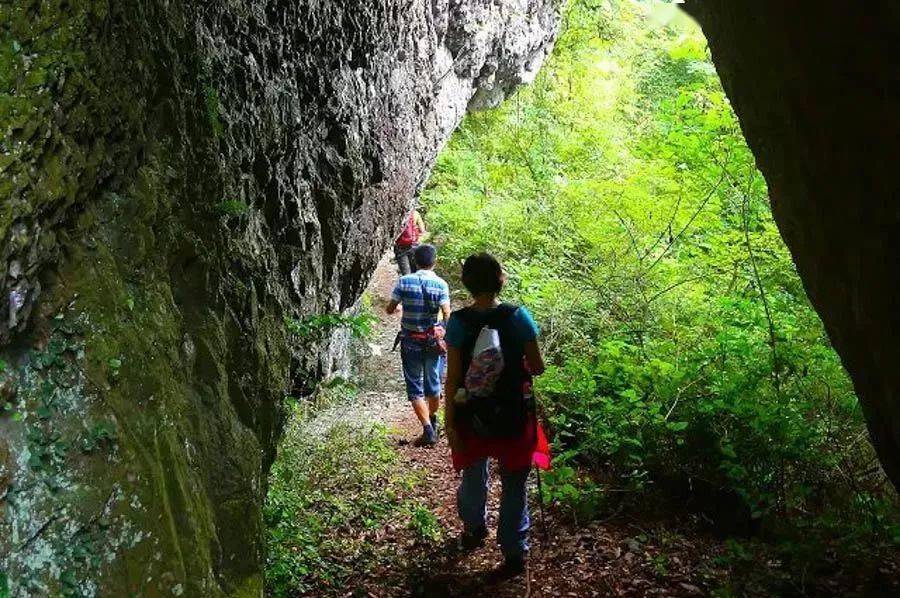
x: 421, y: 294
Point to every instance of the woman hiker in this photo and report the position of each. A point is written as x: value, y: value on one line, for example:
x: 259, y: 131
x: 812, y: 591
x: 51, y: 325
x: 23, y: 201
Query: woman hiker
x: 405, y: 245
x: 502, y: 424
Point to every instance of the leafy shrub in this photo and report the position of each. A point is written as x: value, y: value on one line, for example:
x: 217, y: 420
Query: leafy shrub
x: 232, y: 207
x: 213, y: 107
x: 326, y: 489
x: 621, y: 197
x: 318, y: 327
x: 424, y: 523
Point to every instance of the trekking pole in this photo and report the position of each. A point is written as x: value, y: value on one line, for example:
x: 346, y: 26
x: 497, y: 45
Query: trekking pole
x: 546, y: 536
x: 537, y: 471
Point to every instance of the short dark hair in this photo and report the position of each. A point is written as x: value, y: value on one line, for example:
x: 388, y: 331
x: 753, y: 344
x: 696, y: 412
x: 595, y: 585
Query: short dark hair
x: 425, y: 255
x: 482, y: 274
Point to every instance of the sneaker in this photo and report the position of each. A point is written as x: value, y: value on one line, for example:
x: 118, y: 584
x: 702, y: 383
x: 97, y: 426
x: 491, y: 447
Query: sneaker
x: 436, y: 425
x: 426, y: 440
x: 472, y: 540
x: 513, y: 566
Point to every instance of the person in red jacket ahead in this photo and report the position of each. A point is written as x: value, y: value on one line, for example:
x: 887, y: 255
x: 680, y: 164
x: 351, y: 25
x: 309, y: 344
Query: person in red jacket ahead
x: 406, y: 243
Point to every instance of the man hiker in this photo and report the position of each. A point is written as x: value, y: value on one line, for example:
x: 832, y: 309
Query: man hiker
x: 492, y: 352
x: 405, y: 245
x: 423, y: 295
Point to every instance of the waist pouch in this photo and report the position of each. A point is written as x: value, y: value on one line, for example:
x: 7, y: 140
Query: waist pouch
x: 432, y: 339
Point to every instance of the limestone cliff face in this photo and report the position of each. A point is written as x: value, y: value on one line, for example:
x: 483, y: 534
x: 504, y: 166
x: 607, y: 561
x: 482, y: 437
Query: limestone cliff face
x: 178, y: 177
x: 816, y: 87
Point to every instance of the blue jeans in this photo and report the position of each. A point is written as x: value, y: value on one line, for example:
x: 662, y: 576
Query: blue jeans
x: 471, y: 501
x: 421, y: 370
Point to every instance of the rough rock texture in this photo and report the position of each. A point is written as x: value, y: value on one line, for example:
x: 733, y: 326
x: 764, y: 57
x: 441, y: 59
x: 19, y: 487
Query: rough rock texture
x: 817, y: 87
x: 178, y: 178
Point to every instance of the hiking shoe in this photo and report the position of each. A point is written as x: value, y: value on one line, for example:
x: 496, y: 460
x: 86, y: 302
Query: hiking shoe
x: 436, y: 425
x: 513, y: 566
x: 426, y: 440
x: 472, y: 540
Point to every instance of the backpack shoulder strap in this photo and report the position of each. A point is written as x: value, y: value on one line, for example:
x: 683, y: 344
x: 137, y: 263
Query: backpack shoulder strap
x: 428, y: 303
x: 472, y: 321
x: 501, y: 314
x: 467, y: 315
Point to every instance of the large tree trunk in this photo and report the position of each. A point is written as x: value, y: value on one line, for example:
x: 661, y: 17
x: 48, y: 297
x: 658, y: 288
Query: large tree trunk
x: 176, y: 178
x: 816, y: 86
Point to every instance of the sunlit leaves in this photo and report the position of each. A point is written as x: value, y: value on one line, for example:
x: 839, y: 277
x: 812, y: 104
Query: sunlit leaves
x: 627, y: 209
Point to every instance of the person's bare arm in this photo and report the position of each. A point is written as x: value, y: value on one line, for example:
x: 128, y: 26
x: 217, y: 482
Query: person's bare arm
x: 445, y: 311
x: 424, y: 235
x: 535, y: 360
x: 392, y: 306
x: 420, y: 222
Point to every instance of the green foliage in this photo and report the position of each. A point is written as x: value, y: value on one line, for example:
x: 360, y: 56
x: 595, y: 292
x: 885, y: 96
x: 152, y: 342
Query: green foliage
x: 213, y: 110
x: 101, y: 435
x: 334, y: 392
x: 326, y: 490
x: 232, y: 207
x: 424, y: 523
x: 319, y: 327
x: 683, y: 354
x: 46, y: 449
x: 573, y: 492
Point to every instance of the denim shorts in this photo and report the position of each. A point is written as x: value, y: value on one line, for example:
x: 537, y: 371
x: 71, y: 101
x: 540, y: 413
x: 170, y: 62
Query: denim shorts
x: 422, y: 370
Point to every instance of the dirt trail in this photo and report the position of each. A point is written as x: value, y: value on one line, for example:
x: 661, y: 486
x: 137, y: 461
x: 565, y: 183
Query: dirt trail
x: 618, y: 559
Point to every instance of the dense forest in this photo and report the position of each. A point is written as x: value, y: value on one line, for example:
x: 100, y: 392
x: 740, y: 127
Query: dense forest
x: 687, y: 362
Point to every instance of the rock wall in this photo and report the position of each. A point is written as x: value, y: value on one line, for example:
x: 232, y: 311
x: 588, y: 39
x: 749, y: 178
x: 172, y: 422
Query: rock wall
x: 178, y: 178
x: 816, y: 86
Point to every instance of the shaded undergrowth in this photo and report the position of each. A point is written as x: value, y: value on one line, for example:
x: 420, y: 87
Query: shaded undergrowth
x: 334, y: 490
